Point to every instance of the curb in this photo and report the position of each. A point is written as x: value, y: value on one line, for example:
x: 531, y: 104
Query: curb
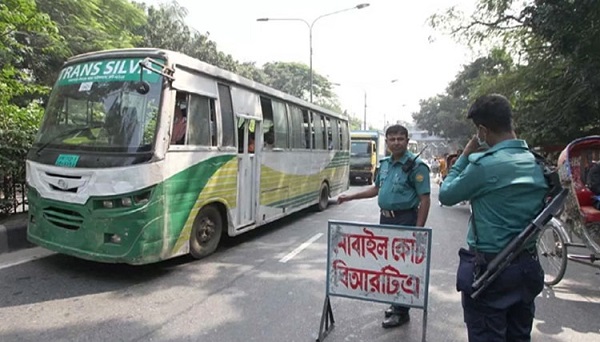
x: 13, y: 233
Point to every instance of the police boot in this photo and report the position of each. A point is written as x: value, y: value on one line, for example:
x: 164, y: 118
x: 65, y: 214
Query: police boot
x: 395, y: 320
x: 389, y: 311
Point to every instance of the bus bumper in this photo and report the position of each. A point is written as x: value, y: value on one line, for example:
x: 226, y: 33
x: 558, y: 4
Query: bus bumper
x: 122, y: 235
x: 364, y: 175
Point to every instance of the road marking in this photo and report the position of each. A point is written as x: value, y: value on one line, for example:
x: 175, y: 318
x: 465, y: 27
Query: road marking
x: 300, y: 248
x: 23, y: 256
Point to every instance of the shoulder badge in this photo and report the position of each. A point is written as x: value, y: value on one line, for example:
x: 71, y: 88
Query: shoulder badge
x: 419, y: 178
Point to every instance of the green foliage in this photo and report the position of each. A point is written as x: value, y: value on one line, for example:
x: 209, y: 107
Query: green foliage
x: 20, y: 24
x: 37, y: 36
x: 354, y: 123
x: 294, y: 79
x: 554, y: 84
x: 445, y: 114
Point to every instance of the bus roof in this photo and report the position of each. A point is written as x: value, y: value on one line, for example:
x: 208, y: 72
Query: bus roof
x: 177, y: 58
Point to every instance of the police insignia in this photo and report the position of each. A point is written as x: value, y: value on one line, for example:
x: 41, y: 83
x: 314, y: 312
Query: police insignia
x: 419, y: 178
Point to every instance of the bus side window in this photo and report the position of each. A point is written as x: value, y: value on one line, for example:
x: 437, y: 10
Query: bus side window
x: 318, y: 121
x: 267, y: 114
x: 179, y: 130
x: 307, y: 128
x: 227, y: 119
x: 340, y: 126
x: 297, y: 128
x: 201, y: 116
x: 327, y: 133
x: 335, y: 135
x: 280, y: 124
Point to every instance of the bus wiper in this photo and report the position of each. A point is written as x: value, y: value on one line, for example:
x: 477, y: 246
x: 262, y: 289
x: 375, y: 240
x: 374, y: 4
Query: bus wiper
x: 59, y: 135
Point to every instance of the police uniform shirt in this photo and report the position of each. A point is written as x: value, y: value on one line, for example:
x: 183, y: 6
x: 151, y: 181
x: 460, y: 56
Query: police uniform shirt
x: 399, y: 190
x: 506, y: 188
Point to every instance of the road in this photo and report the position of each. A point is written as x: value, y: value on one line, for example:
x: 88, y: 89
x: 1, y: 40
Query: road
x: 255, y: 289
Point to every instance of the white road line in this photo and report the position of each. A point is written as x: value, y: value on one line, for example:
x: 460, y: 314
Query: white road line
x: 299, y: 249
x: 23, y: 256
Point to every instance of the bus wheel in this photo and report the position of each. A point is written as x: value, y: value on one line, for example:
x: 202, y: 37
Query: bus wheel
x: 206, y: 232
x: 323, y: 197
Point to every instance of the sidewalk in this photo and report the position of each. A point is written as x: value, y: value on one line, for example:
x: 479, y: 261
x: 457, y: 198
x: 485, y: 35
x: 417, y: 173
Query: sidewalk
x: 13, y: 233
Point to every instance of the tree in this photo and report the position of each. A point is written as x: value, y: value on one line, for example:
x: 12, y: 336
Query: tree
x: 445, y: 114
x: 21, y: 23
x: 87, y: 26
x: 555, y: 84
x: 354, y: 122
x: 294, y: 79
x: 165, y: 28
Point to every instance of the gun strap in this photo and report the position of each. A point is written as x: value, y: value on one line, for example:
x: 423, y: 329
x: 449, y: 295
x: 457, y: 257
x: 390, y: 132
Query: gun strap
x: 474, y: 228
x: 479, y: 257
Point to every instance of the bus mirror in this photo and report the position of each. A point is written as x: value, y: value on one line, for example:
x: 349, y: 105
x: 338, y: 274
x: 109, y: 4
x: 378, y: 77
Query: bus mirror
x: 142, y: 87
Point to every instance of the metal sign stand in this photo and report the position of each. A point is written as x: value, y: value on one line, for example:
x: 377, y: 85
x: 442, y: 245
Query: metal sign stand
x: 327, y: 320
x: 376, y: 254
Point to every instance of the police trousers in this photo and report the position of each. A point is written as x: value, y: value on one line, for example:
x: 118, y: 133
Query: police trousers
x: 504, y: 312
x: 401, y: 218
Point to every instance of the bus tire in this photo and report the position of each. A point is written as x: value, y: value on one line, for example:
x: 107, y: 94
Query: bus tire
x: 323, y: 197
x: 206, y: 232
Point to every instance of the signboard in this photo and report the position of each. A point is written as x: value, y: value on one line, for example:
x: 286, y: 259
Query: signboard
x: 379, y: 263
x: 108, y: 70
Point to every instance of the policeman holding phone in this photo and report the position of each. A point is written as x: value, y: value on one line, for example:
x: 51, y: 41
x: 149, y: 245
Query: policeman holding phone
x: 506, y: 188
x: 403, y: 187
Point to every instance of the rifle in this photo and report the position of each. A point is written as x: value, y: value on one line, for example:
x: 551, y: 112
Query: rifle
x: 512, y: 250
x: 411, y: 162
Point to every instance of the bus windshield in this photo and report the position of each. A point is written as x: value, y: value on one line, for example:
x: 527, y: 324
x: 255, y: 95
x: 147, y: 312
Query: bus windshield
x: 103, y: 111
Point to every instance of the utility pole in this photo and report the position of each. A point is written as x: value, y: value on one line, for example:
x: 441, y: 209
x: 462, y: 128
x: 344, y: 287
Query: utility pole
x: 365, y: 118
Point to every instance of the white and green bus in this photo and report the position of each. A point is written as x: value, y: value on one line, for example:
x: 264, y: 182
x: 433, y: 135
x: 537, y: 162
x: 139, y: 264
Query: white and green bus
x: 147, y: 154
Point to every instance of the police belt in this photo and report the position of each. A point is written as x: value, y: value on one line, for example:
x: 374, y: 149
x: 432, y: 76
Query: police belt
x: 395, y: 213
x: 524, y: 254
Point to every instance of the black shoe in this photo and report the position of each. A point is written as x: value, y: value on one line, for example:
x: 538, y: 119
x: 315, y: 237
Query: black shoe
x: 395, y: 320
x: 392, y: 310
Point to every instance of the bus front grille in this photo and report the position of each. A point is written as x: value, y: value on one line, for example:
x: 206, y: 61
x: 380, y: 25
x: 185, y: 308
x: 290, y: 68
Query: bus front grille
x: 63, y: 218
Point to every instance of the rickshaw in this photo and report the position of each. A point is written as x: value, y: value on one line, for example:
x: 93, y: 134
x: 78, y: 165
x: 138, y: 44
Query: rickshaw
x: 578, y: 224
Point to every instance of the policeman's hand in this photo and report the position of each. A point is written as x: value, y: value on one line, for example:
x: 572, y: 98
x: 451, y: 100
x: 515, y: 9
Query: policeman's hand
x: 472, y: 146
x: 343, y: 198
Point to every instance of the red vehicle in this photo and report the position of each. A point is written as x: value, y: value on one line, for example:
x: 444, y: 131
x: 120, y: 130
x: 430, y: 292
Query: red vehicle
x: 579, y: 218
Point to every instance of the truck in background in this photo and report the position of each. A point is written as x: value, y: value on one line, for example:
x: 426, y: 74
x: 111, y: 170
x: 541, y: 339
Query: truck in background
x: 367, y: 149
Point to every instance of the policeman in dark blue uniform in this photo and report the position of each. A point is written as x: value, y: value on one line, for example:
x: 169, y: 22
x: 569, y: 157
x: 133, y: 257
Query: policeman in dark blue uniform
x: 403, y: 186
x: 506, y: 188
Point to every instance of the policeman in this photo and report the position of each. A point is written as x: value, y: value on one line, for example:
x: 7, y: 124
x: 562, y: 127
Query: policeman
x: 403, y: 188
x: 506, y: 188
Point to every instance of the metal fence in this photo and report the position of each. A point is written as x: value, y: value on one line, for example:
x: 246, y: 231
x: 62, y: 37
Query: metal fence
x: 13, y: 195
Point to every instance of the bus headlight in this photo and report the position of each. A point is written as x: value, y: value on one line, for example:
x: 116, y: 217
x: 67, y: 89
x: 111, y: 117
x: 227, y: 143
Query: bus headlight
x: 126, y: 202
x: 142, y: 198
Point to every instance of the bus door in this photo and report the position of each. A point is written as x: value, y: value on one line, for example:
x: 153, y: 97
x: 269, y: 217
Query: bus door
x: 249, y: 141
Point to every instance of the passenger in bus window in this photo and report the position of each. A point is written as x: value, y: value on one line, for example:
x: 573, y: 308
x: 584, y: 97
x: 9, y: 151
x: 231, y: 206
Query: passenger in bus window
x: 269, y: 139
x: 251, y: 143
x: 179, y: 126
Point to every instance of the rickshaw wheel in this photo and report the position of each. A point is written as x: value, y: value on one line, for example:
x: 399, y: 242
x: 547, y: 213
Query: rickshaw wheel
x: 552, y: 252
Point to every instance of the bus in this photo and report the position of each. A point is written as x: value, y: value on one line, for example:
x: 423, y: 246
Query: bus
x: 366, y: 150
x: 147, y: 154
